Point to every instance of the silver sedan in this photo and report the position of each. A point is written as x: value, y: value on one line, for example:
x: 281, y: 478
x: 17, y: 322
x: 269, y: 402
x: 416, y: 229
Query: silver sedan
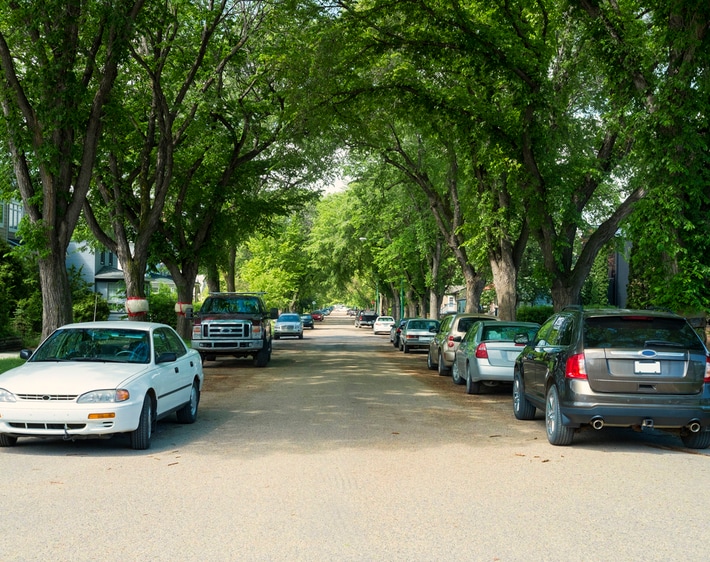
x: 487, y: 353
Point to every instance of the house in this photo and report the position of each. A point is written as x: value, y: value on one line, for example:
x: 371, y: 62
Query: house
x: 10, y: 215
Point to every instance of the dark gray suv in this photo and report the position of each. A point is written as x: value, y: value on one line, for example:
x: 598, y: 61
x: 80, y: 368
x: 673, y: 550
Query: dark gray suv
x: 620, y: 368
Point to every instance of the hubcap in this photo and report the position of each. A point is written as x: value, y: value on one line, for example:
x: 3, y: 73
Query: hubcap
x: 551, y: 413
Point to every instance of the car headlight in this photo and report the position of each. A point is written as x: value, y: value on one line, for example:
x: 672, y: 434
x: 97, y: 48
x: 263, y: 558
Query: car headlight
x: 7, y: 396
x: 104, y: 396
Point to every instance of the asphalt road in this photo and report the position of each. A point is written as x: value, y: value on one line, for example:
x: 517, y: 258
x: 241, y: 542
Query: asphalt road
x: 345, y: 449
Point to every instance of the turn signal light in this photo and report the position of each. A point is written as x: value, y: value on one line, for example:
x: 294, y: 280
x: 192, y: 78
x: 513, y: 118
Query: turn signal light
x: 102, y: 416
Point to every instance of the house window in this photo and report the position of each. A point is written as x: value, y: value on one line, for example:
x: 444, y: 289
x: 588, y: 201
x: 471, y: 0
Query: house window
x: 110, y: 259
x: 102, y: 259
x: 14, y: 216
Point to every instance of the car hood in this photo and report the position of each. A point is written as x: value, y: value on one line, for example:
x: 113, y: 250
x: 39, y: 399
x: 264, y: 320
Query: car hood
x: 70, y: 377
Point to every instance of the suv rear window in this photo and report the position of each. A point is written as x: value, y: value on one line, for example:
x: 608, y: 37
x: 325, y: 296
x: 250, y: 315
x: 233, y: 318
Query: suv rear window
x: 640, y: 332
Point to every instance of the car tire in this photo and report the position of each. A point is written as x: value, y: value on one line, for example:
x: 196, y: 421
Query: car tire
x: 7, y: 440
x: 699, y: 440
x: 188, y: 413
x: 522, y: 408
x: 443, y: 369
x: 455, y: 375
x: 405, y: 349
x: 472, y: 387
x: 430, y: 362
x: 261, y: 359
x: 300, y: 336
x: 140, y: 437
x: 557, y: 434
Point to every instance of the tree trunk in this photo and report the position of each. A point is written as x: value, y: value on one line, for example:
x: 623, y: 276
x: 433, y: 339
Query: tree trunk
x: 185, y: 283
x: 56, y: 293
x: 564, y: 294
x: 212, y: 277
x: 475, y: 283
x: 231, y: 269
x: 505, y: 280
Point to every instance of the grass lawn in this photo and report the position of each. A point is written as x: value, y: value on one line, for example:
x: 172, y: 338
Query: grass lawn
x: 7, y: 364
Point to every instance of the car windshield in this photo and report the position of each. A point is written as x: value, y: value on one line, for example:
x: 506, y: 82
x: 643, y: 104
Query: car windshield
x: 290, y: 318
x: 231, y: 305
x: 637, y: 331
x: 95, y: 344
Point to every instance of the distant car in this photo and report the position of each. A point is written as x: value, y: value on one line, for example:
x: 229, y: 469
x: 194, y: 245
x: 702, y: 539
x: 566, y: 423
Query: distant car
x: 395, y: 330
x: 94, y: 379
x: 622, y: 368
x: 307, y: 321
x: 317, y: 315
x: 452, y: 329
x: 365, y: 319
x: 383, y: 325
x: 288, y: 324
x: 487, y: 353
x: 417, y: 333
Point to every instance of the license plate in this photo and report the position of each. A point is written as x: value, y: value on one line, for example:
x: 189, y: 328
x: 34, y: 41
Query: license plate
x: 647, y: 367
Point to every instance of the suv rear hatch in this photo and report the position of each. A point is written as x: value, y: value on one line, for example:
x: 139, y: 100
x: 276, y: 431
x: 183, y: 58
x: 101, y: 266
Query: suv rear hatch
x: 643, y: 354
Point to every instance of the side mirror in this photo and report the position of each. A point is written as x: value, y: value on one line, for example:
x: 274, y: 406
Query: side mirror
x: 167, y: 357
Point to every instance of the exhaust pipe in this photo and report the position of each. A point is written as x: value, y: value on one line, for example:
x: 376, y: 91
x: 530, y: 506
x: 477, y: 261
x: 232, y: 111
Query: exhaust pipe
x: 598, y: 422
x: 694, y: 426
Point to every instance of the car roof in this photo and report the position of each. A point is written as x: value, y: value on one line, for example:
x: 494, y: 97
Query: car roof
x: 117, y: 325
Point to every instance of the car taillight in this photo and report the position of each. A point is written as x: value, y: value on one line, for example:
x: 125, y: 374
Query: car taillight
x: 450, y: 341
x: 707, y: 371
x: 481, y: 351
x: 575, y: 368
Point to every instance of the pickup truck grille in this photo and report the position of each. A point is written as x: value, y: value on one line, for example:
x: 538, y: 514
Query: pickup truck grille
x: 226, y: 330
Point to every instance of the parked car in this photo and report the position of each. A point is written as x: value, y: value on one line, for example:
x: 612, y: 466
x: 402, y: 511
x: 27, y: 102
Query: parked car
x: 417, y: 333
x: 618, y: 368
x: 396, y: 330
x: 288, y: 324
x: 307, y: 321
x: 487, y: 353
x: 317, y: 315
x: 383, y: 325
x: 365, y: 319
x: 452, y: 329
x: 95, y: 379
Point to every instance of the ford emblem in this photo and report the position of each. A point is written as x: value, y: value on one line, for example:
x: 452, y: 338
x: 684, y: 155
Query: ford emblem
x: 648, y: 353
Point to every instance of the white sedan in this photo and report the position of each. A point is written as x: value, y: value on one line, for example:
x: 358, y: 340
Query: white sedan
x: 383, y: 325
x: 101, y: 378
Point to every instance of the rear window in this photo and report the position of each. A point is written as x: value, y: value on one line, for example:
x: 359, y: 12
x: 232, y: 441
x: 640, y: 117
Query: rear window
x: 507, y: 333
x: 639, y: 332
x: 466, y: 323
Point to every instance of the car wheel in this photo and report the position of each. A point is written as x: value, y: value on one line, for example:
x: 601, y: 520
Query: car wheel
x: 472, y: 386
x: 140, y: 438
x: 7, y: 440
x: 557, y: 434
x: 455, y: 375
x: 405, y: 348
x: 395, y: 342
x: 699, y: 440
x: 188, y: 413
x: 261, y: 359
x: 300, y: 336
x: 522, y: 408
x: 430, y: 362
x: 443, y: 370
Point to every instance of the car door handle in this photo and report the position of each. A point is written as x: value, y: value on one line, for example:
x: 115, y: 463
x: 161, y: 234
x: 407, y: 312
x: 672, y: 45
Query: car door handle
x: 177, y: 369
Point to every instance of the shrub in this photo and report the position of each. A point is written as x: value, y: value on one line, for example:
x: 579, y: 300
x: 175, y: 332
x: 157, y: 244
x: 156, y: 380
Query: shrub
x: 534, y: 313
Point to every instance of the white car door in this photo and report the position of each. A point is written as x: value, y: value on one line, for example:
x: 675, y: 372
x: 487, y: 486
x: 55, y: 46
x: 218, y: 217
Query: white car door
x: 173, y: 379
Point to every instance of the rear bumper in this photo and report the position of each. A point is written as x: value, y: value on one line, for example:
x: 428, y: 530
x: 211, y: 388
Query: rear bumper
x: 629, y: 410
